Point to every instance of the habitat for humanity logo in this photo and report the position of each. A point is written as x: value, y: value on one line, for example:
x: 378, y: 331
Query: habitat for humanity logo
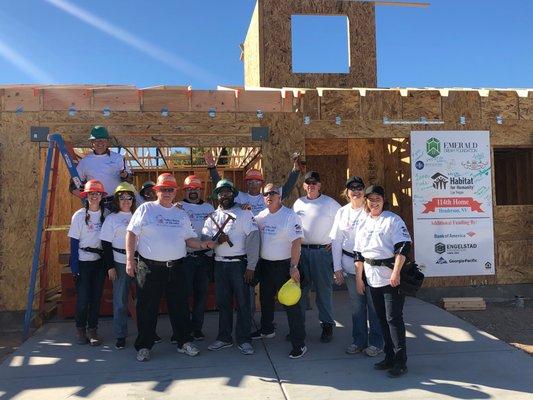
x: 439, y: 181
x: 433, y: 147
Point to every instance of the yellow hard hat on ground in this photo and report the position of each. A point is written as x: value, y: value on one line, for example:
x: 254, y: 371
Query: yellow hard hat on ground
x: 290, y: 293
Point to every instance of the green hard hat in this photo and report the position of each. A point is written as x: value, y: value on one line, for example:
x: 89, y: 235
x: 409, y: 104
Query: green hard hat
x: 99, y: 132
x: 146, y: 185
x: 125, y: 187
x: 224, y: 183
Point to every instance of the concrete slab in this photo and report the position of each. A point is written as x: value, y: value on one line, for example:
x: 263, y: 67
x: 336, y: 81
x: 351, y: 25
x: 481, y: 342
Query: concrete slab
x: 447, y: 358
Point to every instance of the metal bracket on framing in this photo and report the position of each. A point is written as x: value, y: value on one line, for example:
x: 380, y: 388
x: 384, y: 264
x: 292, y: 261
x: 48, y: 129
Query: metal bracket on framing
x: 421, y: 121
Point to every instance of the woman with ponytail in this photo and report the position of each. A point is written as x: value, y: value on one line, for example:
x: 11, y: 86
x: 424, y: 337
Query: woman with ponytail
x: 86, y: 262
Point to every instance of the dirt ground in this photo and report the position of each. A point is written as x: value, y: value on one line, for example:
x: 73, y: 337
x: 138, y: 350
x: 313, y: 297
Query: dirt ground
x: 505, y: 321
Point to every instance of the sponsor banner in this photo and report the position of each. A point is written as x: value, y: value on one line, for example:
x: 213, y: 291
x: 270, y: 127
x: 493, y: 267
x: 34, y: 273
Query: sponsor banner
x: 452, y: 202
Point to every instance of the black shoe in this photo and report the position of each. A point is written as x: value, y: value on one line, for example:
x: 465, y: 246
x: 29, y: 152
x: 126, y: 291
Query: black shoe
x: 157, y: 339
x: 198, y: 335
x: 327, y: 333
x: 397, y: 371
x: 298, y: 352
x: 120, y: 344
x: 173, y: 339
x: 256, y: 335
x: 383, y: 365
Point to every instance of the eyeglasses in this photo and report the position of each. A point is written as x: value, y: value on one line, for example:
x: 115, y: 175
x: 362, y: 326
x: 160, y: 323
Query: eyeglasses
x: 125, y: 197
x: 271, y: 193
x: 167, y: 190
x: 355, y: 188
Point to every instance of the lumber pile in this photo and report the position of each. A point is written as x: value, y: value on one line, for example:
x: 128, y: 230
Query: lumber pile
x: 463, y: 303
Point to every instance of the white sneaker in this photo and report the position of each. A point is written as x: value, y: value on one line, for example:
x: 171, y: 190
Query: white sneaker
x: 352, y: 349
x: 246, y: 349
x: 143, y: 355
x: 189, y: 349
x: 218, y: 345
x: 372, y: 351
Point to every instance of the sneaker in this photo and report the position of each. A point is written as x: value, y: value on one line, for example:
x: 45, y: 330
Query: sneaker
x: 256, y: 334
x: 298, y: 352
x: 219, y: 345
x: 94, y: 339
x: 143, y: 355
x: 246, y: 349
x: 157, y: 339
x: 327, y: 333
x: 259, y: 335
x: 383, y: 365
x: 372, y: 351
x: 352, y: 349
x: 198, y: 335
x: 120, y: 344
x: 173, y: 339
x: 397, y: 371
x: 189, y: 349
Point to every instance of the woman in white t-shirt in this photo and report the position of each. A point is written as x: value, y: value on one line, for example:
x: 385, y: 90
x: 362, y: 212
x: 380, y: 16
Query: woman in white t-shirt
x: 366, y: 332
x: 113, y: 237
x: 86, y: 262
x: 381, y: 245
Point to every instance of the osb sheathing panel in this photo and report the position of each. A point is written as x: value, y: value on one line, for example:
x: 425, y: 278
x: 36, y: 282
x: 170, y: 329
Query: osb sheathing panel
x: 253, y: 51
x: 421, y: 103
x: 326, y: 147
x: 377, y: 104
x: 63, y: 99
x: 466, y: 103
x: 526, y: 106
x: 500, y: 102
x: 342, y: 103
x: 19, y: 171
x: 276, y: 65
x: 311, y: 104
x: 515, y: 260
x: 513, y: 222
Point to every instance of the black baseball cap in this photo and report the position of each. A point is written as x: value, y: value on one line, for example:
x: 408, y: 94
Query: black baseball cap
x: 375, y: 189
x: 355, y: 181
x: 312, y: 175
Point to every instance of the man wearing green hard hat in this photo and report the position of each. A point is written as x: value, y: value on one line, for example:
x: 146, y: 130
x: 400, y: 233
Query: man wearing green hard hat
x: 102, y: 164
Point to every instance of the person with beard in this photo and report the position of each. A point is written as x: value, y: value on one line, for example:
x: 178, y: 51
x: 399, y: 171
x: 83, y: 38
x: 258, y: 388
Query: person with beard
x: 147, y: 193
x: 198, y: 263
x: 236, y: 257
x: 161, y: 232
x: 254, y: 182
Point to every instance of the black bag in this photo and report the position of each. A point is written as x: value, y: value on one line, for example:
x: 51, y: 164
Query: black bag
x: 411, y: 278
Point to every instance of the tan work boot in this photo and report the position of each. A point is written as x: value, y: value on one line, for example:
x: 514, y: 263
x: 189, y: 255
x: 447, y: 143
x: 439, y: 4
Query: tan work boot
x: 81, y: 336
x: 94, y: 340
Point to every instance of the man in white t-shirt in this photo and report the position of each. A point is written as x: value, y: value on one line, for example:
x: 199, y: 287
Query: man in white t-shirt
x: 198, y: 263
x: 281, y: 237
x: 317, y: 212
x: 162, y: 232
x: 235, y: 261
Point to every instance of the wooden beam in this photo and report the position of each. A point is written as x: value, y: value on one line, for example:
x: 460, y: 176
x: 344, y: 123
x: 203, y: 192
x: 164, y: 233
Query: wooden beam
x: 158, y: 150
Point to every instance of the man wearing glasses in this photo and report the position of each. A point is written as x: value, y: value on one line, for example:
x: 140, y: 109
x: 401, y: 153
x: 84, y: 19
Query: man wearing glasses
x: 281, y: 237
x: 317, y: 212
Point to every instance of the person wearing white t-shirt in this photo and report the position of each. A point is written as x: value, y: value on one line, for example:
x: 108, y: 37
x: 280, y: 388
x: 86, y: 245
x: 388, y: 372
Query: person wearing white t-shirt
x: 102, y: 164
x: 161, y: 232
x: 317, y: 212
x: 381, y: 245
x: 198, y: 263
x: 281, y: 236
x: 235, y: 260
x: 113, y: 237
x: 86, y: 262
x: 366, y: 331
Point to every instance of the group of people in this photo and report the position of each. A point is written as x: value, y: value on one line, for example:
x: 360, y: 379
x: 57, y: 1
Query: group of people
x: 169, y: 248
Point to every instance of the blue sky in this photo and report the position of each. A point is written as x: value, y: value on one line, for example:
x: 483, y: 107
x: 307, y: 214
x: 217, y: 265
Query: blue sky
x: 453, y: 43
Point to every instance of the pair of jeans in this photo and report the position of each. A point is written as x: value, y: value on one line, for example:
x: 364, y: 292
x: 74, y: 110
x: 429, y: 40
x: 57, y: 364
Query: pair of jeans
x: 89, y: 288
x: 316, y: 265
x: 168, y: 281
x: 121, y: 288
x: 197, y: 268
x: 366, y: 329
x: 273, y: 276
x: 388, y: 302
x: 229, y: 285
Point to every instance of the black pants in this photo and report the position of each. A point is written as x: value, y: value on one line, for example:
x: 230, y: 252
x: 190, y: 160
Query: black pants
x: 172, y: 282
x: 197, y: 281
x: 272, y: 276
x: 89, y: 288
x: 388, y: 303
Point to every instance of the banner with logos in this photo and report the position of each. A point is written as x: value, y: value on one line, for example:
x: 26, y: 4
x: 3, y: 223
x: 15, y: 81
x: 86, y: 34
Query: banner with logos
x: 452, y: 202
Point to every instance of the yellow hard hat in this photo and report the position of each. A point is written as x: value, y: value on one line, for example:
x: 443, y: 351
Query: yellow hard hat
x: 290, y: 293
x: 125, y: 187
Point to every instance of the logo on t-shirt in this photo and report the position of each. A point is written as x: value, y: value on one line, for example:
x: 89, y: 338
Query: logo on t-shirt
x: 297, y: 228
x: 169, y: 222
x: 94, y: 226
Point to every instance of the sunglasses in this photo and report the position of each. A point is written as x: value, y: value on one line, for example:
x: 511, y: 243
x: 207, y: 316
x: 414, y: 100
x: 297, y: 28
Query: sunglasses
x: 271, y: 193
x: 356, y: 188
x: 95, y: 194
x: 166, y: 190
x: 125, y: 197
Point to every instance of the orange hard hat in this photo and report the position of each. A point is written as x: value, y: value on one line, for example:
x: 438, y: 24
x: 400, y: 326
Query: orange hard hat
x: 253, y: 175
x: 93, y: 185
x: 166, y: 180
x: 192, y: 182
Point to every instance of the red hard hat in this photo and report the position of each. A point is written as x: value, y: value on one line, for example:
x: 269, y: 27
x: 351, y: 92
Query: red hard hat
x: 192, y: 182
x: 166, y: 180
x: 93, y: 185
x: 253, y: 175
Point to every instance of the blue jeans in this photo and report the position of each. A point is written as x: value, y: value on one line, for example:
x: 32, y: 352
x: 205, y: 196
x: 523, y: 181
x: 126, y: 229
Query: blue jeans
x: 121, y: 287
x: 316, y: 265
x: 363, y: 316
x: 229, y: 284
x: 89, y: 288
x: 197, y: 280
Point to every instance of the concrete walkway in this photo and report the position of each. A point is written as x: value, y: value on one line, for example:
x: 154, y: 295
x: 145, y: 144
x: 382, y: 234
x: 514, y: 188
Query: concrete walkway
x: 448, y: 358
